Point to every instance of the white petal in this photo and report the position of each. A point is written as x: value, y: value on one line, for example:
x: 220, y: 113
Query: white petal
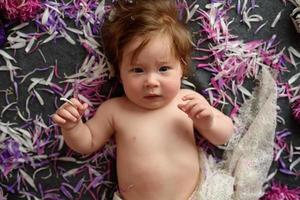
x: 6, y: 55
x: 28, y: 179
x: 45, y: 16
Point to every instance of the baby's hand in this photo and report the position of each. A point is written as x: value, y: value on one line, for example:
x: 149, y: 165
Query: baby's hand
x: 69, y: 114
x: 198, y: 109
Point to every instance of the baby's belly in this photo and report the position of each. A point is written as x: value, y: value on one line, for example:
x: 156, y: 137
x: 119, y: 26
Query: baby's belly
x: 159, y: 175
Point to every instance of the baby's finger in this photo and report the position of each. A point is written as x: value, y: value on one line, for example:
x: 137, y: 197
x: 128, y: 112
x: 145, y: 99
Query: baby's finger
x: 74, y: 111
x: 188, y: 106
x: 66, y: 100
x: 57, y: 119
x: 65, y: 114
x: 83, y: 109
x: 77, y: 103
x: 197, y: 109
x: 189, y: 97
x: 204, y: 114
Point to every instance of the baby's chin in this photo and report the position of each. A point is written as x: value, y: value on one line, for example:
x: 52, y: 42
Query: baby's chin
x: 151, y: 105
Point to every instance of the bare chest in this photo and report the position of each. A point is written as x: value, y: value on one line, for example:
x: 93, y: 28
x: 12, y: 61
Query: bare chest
x: 152, y: 149
x: 161, y: 130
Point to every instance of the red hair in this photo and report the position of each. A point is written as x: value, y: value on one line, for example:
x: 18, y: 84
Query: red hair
x: 128, y: 20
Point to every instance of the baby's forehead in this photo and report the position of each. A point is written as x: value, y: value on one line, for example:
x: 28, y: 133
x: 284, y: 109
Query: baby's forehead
x: 159, y: 45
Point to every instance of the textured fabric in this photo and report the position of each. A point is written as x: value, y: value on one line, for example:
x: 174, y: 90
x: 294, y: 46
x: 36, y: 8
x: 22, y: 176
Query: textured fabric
x: 215, y: 182
x: 194, y: 195
x: 249, y: 154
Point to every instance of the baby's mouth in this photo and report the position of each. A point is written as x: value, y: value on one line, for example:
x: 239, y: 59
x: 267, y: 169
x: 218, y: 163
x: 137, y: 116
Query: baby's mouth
x: 152, y: 96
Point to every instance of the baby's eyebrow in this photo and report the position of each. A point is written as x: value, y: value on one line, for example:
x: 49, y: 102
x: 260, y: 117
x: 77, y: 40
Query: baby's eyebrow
x: 136, y: 64
x: 162, y: 62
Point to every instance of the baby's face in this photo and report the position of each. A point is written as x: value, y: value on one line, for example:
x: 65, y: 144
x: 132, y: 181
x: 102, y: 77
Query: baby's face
x: 153, y: 79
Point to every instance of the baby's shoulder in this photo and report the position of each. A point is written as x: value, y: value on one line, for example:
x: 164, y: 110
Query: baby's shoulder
x: 110, y: 107
x: 116, y: 105
x: 115, y: 102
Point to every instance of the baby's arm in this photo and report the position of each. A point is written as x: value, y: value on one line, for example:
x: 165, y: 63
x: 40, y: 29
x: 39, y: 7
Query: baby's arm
x: 210, y: 122
x: 84, y: 138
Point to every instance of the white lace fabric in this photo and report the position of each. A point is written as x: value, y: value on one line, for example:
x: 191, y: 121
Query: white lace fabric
x: 249, y: 153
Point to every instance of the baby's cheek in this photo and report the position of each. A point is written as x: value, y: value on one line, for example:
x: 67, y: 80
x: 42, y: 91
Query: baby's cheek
x: 130, y: 87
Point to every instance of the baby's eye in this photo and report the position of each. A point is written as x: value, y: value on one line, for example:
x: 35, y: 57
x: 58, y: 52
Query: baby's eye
x: 137, y: 70
x: 164, y: 68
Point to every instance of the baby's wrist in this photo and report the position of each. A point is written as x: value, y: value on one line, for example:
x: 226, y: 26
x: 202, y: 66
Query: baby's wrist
x: 206, y: 123
x: 70, y: 128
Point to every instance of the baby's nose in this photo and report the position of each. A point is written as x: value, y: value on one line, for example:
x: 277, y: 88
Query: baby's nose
x: 151, y: 81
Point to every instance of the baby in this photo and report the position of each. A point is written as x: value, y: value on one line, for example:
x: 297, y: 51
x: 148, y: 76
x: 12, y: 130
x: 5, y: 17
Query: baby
x: 153, y: 124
